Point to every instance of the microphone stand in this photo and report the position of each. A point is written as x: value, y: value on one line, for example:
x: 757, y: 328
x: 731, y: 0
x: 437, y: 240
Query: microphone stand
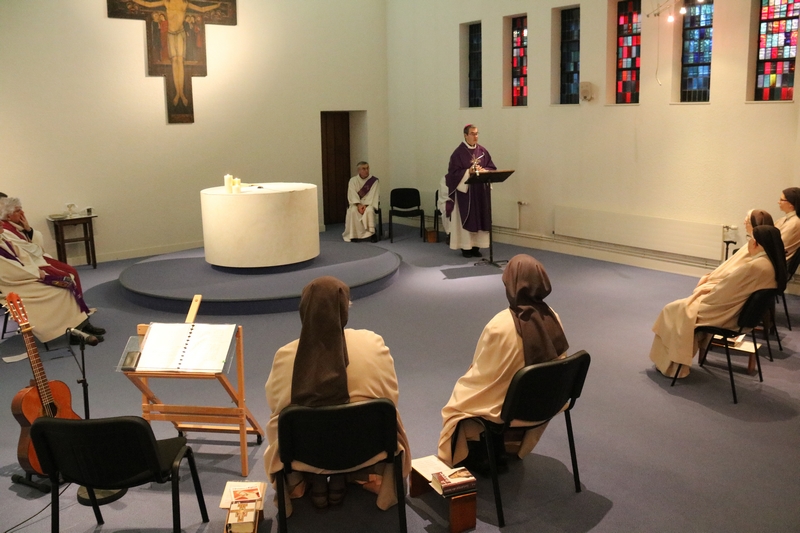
x: 103, y: 496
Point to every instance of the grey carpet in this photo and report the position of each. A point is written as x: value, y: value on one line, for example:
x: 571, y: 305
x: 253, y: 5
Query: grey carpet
x: 651, y: 457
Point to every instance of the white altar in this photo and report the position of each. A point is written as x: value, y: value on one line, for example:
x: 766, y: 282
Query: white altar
x: 266, y: 224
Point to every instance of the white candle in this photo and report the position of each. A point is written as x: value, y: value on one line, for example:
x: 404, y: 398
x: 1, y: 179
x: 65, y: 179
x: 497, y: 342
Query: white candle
x: 237, y: 189
x: 228, y: 179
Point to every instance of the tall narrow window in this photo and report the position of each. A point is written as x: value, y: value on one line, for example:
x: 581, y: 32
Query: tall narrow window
x: 777, y: 49
x: 629, y: 34
x: 475, y: 80
x: 570, y: 55
x: 519, y: 61
x: 696, y: 59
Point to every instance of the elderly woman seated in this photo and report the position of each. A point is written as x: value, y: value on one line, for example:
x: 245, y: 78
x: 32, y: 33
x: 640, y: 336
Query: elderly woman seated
x: 525, y: 333
x: 51, y: 298
x: 753, y: 218
x: 717, y: 301
x: 330, y: 365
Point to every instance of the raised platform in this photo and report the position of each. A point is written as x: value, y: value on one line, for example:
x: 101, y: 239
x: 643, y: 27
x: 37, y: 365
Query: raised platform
x: 169, y: 282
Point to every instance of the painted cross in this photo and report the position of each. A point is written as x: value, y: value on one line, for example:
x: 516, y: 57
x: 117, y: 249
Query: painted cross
x: 176, y: 43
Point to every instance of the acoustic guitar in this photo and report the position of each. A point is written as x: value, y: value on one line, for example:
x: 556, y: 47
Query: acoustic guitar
x: 41, y: 398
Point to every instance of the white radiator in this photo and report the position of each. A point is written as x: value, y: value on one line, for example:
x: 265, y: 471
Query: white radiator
x: 695, y: 239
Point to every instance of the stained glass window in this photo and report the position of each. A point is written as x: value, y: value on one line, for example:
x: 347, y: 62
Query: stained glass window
x: 519, y: 61
x: 777, y: 50
x: 475, y: 80
x: 570, y: 55
x: 629, y: 35
x: 696, y: 60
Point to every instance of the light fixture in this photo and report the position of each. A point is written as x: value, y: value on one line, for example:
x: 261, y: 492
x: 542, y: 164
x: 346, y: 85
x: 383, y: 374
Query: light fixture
x: 683, y: 10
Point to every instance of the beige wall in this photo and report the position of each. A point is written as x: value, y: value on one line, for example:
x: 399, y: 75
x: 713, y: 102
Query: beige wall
x: 81, y: 122
x: 694, y: 162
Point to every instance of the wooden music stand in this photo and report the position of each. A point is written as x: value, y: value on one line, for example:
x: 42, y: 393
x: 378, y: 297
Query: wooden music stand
x: 237, y: 419
x: 489, y: 176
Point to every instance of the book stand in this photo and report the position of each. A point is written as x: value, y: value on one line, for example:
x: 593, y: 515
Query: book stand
x: 236, y: 419
x: 489, y: 176
x: 462, y: 507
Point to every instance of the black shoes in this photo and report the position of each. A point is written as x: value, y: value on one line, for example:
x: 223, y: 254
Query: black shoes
x: 92, y: 330
x: 474, y: 252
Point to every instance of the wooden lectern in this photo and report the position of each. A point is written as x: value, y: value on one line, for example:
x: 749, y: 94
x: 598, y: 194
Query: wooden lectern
x: 489, y: 176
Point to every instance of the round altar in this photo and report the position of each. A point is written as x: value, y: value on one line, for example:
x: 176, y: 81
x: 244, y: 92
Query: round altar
x: 266, y: 224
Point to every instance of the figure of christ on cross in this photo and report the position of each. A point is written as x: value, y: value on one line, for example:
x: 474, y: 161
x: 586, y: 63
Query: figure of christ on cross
x: 176, y: 37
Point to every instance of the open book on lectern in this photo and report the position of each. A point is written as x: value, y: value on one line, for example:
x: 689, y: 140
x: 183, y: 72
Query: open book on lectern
x: 489, y: 176
x: 186, y: 347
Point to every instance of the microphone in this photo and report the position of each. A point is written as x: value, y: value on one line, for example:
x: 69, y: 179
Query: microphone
x: 91, y: 340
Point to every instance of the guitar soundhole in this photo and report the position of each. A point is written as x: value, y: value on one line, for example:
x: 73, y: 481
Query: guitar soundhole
x: 51, y: 410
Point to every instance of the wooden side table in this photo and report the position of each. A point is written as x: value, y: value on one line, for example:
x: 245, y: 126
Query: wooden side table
x: 87, y: 238
x: 462, y: 507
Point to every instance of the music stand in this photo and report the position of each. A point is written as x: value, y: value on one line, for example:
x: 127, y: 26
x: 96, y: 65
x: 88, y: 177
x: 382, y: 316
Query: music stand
x: 489, y: 176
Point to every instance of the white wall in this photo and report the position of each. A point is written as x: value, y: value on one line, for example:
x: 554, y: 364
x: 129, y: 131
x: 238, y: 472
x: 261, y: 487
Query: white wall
x: 80, y: 121
x: 694, y: 162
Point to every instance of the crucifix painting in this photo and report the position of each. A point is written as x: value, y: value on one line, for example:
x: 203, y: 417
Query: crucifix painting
x: 176, y: 43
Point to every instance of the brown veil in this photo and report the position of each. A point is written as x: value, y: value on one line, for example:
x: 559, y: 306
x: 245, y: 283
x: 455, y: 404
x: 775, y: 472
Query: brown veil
x: 320, y: 366
x: 527, y: 285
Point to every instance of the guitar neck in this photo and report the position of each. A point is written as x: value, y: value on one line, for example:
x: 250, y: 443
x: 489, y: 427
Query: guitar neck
x: 42, y: 385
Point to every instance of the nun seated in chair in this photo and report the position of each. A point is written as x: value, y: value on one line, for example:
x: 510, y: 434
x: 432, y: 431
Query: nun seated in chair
x: 525, y: 333
x: 330, y: 365
x: 717, y: 301
x: 754, y: 218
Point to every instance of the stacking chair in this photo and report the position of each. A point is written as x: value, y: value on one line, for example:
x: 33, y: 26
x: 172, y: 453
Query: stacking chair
x: 111, y: 453
x: 751, y: 315
x: 791, y: 269
x: 339, y: 438
x: 537, y: 394
x: 406, y: 203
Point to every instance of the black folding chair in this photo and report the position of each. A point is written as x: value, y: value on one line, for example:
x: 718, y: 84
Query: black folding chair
x: 751, y: 315
x: 406, y: 203
x: 111, y: 453
x: 791, y: 269
x: 337, y: 438
x: 538, y: 393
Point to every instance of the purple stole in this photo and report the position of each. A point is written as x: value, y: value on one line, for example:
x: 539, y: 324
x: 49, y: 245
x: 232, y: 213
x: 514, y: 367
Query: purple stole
x: 367, y: 186
x: 9, y: 255
x: 63, y: 282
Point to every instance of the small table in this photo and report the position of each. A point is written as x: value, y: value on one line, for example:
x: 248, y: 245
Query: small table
x: 87, y: 238
x: 462, y: 507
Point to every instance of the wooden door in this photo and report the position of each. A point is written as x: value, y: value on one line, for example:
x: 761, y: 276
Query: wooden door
x: 335, y: 164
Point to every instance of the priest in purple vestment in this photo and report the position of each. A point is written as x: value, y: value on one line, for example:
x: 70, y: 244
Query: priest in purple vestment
x: 469, y: 212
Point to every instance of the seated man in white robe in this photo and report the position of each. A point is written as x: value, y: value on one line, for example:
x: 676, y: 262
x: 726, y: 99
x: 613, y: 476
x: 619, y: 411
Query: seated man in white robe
x: 51, y: 300
x: 363, y: 197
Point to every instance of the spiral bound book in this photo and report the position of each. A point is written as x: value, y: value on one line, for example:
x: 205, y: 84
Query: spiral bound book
x: 187, y: 347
